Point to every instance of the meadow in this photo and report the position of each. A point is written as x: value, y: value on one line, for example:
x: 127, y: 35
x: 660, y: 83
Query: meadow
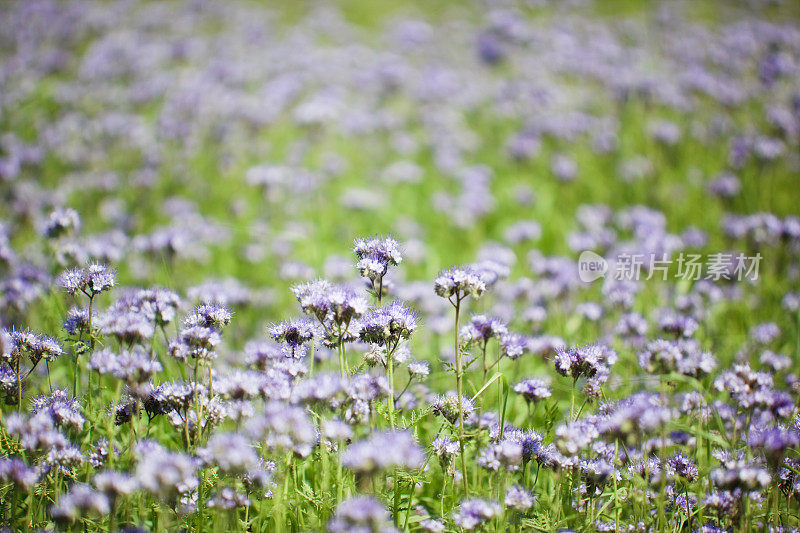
x: 367, y: 266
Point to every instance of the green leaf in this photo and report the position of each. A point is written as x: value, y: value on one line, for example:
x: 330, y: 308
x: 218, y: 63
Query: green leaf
x: 486, y: 386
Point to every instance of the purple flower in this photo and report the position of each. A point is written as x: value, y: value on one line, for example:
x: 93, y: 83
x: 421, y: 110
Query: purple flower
x: 165, y: 474
x: 282, y: 428
x: 506, y: 454
x: 92, y: 280
x: 61, y: 221
x: 294, y: 333
x: 359, y: 513
x: 739, y: 474
x: 475, y: 512
x: 115, y: 484
x: 518, y: 499
x: 375, y: 255
x: 533, y: 390
x: 15, y: 471
x: 447, y: 406
x: 482, y: 328
x: 62, y: 408
x: 773, y: 442
x: 231, y: 452
x: 682, y: 356
x: 459, y: 282
x: 592, y: 362
x: 80, y: 501
x: 197, y: 342
x: 209, y: 316
x: 418, y: 369
x: 388, y: 325
x: 682, y: 467
x: 383, y: 451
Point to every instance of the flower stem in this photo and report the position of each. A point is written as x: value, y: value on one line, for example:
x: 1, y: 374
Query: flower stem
x: 459, y: 391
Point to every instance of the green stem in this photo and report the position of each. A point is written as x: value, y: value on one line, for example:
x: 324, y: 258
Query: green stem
x: 390, y: 379
x: 459, y: 392
x: 19, y: 388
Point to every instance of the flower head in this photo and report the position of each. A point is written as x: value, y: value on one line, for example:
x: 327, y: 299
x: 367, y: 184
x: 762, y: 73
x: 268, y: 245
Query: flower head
x: 459, y: 282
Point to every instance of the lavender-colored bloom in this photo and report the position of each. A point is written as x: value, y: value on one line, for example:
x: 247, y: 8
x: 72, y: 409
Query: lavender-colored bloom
x: 725, y: 186
x: 418, y: 369
x: 564, y: 168
x: 765, y: 333
x: 15, y: 471
x: 375, y: 255
x: 115, y: 484
x: 197, y: 342
x: 573, y: 437
x: 774, y: 442
x: 64, y: 459
x: 360, y: 513
x: 679, y: 325
x: 383, y: 451
x: 165, y: 474
x: 632, y: 417
x: 682, y: 467
x: 475, y: 512
x: 231, y: 452
x: 335, y: 307
x: 336, y: 430
x: 513, y: 345
x: 209, y: 316
x: 583, y: 361
x: 429, y: 525
x: 748, y: 387
x: 459, y: 282
x: 739, y: 474
x: 37, y: 433
x: 518, y: 499
x: 388, y: 325
x: 482, y: 328
x: 592, y: 362
x: 631, y: 325
x: 7, y: 346
x: 173, y: 395
x: 35, y: 346
x: 682, y: 356
x: 92, y: 280
x: 228, y: 499
x: 445, y: 450
x: 283, y: 427
x: 294, y: 333
x: 447, y: 406
x: 134, y: 367
x: 324, y: 388
x: 126, y: 320
x: 506, y: 454
x: 61, y: 221
x: 595, y: 473
x: 77, y: 321
x: 8, y: 385
x: 62, y: 408
x: 260, y: 355
x: 80, y: 501
x: 774, y: 361
x: 533, y: 390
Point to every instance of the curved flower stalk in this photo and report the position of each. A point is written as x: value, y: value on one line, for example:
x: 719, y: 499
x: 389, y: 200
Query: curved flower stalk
x: 456, y: 284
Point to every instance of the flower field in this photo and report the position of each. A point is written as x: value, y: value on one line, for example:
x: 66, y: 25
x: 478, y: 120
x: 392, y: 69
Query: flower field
x: 366, y: 266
